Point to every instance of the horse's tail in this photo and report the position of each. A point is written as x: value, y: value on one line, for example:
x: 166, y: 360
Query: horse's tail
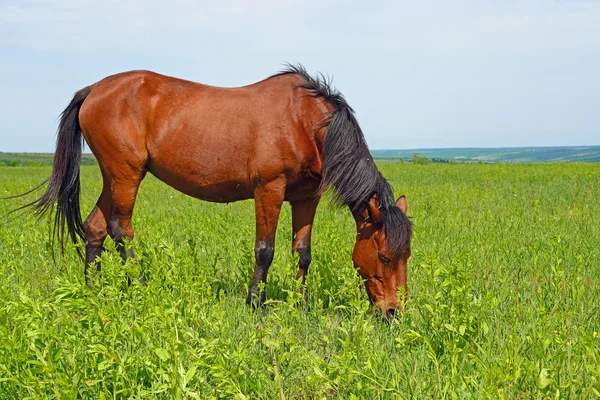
x: 63, y: 184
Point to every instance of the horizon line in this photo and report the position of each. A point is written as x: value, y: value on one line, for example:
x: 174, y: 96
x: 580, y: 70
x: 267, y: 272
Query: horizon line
x: 396, y: 149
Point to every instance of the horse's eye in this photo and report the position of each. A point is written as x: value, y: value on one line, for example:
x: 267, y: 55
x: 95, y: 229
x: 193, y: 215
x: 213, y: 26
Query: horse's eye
x: 383, y: 258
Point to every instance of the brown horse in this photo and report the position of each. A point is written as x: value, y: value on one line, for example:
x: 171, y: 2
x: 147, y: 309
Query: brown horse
x: 286, y: 138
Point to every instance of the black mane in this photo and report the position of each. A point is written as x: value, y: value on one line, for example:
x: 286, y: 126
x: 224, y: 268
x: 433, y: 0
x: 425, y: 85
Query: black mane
x: 347, y: 163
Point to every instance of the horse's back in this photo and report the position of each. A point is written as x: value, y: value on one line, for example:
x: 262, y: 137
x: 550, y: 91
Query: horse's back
x: 213, y: 143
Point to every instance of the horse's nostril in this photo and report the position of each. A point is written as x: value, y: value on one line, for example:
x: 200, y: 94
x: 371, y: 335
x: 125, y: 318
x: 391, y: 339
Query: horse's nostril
x: 391, y: 312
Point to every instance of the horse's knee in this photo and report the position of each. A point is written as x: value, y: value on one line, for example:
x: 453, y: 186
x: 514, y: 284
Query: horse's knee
x: 264, y: 254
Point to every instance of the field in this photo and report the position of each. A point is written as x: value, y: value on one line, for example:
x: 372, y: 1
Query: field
x: 504, y: 297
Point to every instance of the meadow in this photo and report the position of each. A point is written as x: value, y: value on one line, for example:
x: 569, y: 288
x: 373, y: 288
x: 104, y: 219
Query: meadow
x: 504, y: 284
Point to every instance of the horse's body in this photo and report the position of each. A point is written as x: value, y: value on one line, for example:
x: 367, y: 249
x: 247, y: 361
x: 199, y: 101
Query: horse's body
x: 286, y: 138
x: 189, y: 151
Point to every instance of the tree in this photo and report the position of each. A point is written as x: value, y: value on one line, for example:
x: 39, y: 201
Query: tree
x: 417, y: 159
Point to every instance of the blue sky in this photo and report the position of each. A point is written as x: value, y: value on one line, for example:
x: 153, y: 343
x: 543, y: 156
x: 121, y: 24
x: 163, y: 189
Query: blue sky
x: 419, y: 74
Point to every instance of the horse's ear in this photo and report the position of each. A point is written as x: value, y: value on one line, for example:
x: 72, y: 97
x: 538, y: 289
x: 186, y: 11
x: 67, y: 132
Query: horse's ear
x: 401, y: 203
x: 373, y: 209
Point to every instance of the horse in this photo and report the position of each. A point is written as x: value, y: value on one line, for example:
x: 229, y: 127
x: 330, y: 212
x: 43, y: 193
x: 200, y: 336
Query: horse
x: 290, y: 137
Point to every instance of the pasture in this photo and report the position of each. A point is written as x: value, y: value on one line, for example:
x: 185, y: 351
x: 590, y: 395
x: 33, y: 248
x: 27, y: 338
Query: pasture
x: 504, y: 284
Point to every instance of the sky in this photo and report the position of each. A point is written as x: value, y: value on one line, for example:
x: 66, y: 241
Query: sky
x: 420, y: 74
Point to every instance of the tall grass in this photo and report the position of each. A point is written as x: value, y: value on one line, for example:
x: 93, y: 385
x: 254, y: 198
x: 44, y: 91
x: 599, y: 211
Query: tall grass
x: 504, y: 297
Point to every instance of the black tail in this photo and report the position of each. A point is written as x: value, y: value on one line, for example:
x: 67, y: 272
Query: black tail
x: 63, y: 184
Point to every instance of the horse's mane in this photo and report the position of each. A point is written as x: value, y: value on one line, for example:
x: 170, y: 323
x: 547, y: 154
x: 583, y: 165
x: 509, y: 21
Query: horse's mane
x: 347, y: 163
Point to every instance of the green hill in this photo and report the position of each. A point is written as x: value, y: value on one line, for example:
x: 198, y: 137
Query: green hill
x: 502, y: 154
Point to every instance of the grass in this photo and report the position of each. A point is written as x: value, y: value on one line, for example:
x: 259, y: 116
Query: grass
x: 504, y: 284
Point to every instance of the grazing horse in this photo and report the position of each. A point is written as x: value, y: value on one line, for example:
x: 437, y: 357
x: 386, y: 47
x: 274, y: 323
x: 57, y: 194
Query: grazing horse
x: 288, y: 138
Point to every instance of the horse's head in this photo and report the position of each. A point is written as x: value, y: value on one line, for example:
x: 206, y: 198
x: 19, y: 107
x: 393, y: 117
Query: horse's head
x: 381, y: 252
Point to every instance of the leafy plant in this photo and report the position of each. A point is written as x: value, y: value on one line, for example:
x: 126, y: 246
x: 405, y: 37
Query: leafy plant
x: 503, y: 297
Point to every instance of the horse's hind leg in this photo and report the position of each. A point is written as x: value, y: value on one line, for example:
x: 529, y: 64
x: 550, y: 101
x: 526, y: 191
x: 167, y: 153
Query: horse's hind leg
x: 95, y: 231
x: 303, y: 215
x: 119, y: 227
x: 268, y: 200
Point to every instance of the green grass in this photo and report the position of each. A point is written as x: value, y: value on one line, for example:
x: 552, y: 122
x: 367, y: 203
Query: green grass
x: 504, y: 284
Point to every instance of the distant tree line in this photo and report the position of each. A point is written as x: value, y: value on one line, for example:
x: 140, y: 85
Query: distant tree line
x: 420, y: 160
x: 417, y: 159
x: 37, y: 159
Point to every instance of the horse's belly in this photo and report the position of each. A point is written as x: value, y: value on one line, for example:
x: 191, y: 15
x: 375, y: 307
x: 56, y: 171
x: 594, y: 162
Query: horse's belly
x: 221, y: 187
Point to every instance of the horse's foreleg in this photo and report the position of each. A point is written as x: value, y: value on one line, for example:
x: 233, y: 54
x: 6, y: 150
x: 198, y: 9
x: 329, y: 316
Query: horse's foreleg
x: 268, y: 200
x: 303, y: 215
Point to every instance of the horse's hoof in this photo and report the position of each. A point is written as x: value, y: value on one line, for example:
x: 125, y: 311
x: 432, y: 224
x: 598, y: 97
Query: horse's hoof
x: 256, y: 299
